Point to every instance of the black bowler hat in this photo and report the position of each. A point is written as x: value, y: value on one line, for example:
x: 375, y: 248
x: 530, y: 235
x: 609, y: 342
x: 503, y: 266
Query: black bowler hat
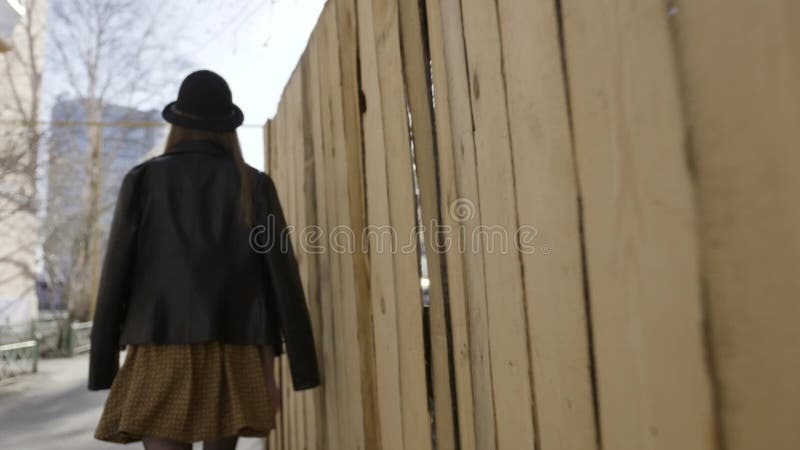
x: 205, y: 103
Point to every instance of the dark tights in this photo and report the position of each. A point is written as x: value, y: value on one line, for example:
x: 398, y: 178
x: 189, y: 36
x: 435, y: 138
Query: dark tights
x: 154, y: 443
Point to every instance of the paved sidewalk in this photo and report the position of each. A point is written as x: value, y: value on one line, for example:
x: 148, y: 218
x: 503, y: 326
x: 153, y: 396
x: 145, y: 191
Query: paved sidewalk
x: 53, y: 410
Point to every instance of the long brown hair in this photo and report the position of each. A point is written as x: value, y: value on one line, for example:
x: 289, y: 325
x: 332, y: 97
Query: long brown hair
x: 230, y: 141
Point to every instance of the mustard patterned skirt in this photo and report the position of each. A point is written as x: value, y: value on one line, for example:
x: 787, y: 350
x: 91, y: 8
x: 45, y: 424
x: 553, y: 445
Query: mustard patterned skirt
x: 188, y: 393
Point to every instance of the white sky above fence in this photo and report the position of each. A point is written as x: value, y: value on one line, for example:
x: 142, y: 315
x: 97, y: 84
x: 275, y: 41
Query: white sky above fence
x: 257, y: 55
x: 253, y: 44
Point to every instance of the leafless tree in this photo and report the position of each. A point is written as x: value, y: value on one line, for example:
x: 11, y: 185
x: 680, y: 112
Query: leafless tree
x: 20, y: 98
x: 22, y: 67
x: 103, y: 52
x: 108, y: 51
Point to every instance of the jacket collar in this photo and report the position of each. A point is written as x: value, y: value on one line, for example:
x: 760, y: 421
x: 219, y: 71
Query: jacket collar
x: 200, y: 146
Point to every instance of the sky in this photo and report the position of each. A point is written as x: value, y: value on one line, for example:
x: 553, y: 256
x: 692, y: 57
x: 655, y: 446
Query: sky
x: 253, y: 44
x: 256, y: 54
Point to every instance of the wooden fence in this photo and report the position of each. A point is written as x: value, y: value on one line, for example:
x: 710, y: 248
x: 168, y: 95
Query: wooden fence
x: 603, y: 195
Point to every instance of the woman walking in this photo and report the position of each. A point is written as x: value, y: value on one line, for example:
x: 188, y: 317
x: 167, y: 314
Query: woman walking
x: 201, y: 285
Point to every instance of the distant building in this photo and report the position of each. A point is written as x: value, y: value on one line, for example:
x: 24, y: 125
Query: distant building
x: 122, y: 148
x: 11, y: 11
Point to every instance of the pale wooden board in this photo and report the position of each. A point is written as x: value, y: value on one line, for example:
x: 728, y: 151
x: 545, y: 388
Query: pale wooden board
x: 265, y: 168
x: 286, y: 186
x: 291, y: 213
x: 355, y: 418
x: 508, y: 342
x: 548, y: 211
x: 381, y: 268
x: 639, y: 222
x: 448, y: 195
x: 402, y: 209
x: 313, y: 403
x: 290, y: 194
x: 281, y: 424
x: 419, y: 104
x: 270, y: 442
x: 273, y: 132
x: 335, y: 289
x: 299, y: 159
x: 277, y: 167
x: 329, y: 382
x: 283, y: 175
x: 298, y: 188
x: 348, y: 57
x: 466, y: 210
x: 350, y: 400
x: 294, y: 212
x: 740, y: 67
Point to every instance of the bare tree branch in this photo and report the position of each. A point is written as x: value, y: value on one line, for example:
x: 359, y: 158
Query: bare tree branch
x: 109, y: 50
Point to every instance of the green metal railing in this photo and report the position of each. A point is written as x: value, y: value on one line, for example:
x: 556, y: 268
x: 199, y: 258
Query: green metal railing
x: 22, y: 345
x: 78, y: 337
x: 18, y: 358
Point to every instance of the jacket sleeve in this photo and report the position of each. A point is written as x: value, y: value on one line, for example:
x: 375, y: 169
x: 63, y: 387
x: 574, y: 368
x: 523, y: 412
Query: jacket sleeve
x: 113, y: 289
x: 273, y: 317
x: 286, y: 291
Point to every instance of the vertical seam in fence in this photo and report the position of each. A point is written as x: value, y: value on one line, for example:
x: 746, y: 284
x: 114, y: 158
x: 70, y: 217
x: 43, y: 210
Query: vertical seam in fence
x: 435, y: 235
x: 582, y: 233
x: 531, y: 375
x: 419, y: 212
x: 357, y: 216
x: 712, y: 370
x: 479, y: 219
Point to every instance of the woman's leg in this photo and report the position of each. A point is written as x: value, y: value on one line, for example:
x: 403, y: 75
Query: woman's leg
x: 156, y: 443
x: 226, y: 443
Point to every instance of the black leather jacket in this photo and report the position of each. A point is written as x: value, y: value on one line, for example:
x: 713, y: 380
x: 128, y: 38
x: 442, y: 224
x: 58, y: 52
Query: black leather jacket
x: 181, y: 267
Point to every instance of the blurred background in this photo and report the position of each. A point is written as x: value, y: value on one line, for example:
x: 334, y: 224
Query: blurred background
x: 82, y: 85
x: 599, y: 200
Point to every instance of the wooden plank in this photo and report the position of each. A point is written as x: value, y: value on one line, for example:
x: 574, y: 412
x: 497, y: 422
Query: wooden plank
x: 508, y: 341
x: 653, y: 386
x: 740, y: 67
x: 347, y: 27
x: 303, y: 169
x: 465, y: 209
x: 345, y: 316
x: 270, y: 441
x: 402, y: 212
x: 313, y: 402
x: 450, y: 237
x: 286, y: 186
x: 355, y: 419
x: 273, y: 145
x: 381, y: 268
x: 282, y: 425
x: 299, y: 160
x: 265, y: 136
x: 285, y: 176
x: 335, y: 271
x: 273, y: 136
x: 296, y: 153
x: 329, y: 405
x: 278, y: 162
x: 415, y: 62
x: 548, y: 214
x: 280, y: 179
x: 290, y: 211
